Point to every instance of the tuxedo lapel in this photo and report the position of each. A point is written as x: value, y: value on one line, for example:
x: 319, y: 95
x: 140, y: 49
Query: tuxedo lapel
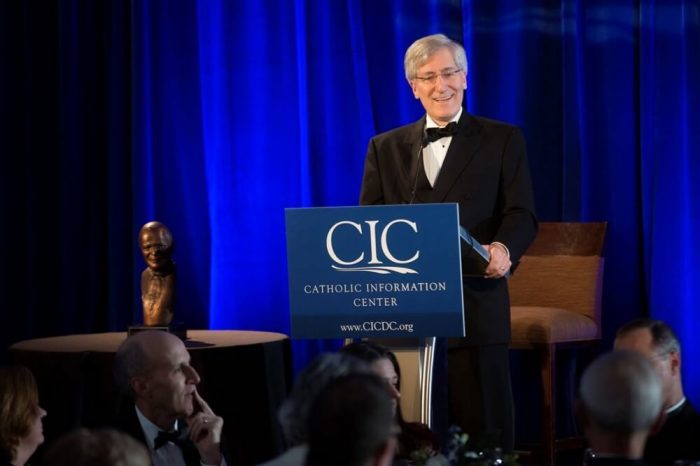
x: 464, y: 145
x: 129, y: 423
x: 409, y: 154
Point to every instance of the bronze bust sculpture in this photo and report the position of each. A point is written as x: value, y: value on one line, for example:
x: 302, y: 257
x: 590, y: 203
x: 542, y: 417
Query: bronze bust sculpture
x: 158, y: 279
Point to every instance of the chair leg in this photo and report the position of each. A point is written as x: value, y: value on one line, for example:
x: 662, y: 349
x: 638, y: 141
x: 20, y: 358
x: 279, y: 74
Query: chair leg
x: 547, y: 373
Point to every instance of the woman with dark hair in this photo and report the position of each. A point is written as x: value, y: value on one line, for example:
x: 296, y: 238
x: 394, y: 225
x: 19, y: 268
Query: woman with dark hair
x: 294, y: 413
x: 414, y: 436
x: 21, y: 431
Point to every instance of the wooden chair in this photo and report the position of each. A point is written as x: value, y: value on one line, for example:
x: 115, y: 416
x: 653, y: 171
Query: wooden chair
x: 556, y: 303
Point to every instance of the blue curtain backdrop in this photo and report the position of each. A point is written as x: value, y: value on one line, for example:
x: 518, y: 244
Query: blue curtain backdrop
x: 214, y: 116
x: 245, y: 108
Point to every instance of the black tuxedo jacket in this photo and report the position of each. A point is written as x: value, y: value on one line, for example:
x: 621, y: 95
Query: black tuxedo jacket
x: 485, y: 171
x: 678, y: 438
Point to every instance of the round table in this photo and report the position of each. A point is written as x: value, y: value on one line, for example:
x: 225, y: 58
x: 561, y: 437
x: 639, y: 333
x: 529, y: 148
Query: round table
x: 109, y: 342
x: 245, y: 377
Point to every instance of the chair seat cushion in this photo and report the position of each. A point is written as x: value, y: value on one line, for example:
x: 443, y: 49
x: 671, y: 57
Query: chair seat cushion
x: 535, y: 324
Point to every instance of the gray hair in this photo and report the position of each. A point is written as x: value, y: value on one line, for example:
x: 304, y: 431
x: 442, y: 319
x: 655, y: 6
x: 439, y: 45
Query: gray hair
x: 421, y: 50
x: 621, y: 392
x: 294, y: 412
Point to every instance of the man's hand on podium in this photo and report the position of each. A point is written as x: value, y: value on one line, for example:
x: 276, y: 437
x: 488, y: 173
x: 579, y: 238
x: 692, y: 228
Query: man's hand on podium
x: 500, y: 263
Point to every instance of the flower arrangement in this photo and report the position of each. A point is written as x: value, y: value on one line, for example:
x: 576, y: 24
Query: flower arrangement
x: 458, y: 453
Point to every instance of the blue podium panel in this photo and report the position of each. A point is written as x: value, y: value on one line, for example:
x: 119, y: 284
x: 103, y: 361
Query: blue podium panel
x: 375, y: 271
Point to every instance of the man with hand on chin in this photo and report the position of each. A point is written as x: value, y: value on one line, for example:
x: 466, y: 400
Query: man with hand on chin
x: 177, y: 426
x: 450, y: 155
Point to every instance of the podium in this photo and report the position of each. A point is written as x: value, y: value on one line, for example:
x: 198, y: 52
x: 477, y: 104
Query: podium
x: 389, y: 271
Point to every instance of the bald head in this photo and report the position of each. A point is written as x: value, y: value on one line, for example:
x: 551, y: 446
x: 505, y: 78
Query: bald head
x: 621, y: 392
x: 154, y: 367
x: 139, y: 353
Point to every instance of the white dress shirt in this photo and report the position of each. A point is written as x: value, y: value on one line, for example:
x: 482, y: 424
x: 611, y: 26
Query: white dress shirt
x: 435, y: 152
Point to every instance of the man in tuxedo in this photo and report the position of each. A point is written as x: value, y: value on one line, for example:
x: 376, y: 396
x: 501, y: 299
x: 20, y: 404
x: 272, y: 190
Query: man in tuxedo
x: 177, y: 426
x: 678, y: 437
x: 450, y: 155
x: 620, y: 404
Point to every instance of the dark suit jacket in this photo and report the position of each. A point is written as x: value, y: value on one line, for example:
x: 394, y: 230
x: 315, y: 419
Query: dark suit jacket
x: 485, y: 171
x: 679, y: 438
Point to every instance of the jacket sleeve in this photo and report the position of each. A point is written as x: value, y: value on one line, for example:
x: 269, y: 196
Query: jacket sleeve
x: 518, y: 224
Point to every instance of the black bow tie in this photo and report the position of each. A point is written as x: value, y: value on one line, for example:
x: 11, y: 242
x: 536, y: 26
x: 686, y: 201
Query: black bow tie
x: 433, y: 134
x: 164, y: 437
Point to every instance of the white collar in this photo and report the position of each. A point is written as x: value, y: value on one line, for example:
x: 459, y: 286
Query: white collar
x: 676, y: 406
x: 430, y: 123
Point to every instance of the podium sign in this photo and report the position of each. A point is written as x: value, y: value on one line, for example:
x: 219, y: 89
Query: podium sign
x: 375, y: 271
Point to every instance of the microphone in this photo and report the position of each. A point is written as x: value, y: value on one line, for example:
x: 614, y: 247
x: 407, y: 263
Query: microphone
x: 424, y: 142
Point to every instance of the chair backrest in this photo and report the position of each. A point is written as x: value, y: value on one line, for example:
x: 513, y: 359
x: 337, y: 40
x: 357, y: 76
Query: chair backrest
x: 563, y: 268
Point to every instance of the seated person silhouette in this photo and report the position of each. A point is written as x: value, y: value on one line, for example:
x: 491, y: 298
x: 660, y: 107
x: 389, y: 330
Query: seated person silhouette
x: 413, y: 437
x: 294, y: 412
x: 351, y: 423
x: 678, y: 437
x: 620, y: 404
x: 105, y: 447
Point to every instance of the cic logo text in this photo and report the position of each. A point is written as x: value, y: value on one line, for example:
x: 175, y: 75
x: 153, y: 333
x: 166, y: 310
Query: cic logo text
x: 377, y: 253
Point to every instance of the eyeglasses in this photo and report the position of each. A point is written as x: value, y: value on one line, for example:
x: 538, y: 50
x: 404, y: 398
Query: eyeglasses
x: 445, y: 75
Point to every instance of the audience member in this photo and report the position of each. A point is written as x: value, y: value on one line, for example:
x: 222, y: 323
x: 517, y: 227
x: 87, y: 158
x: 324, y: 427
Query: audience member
x: 294, y: 412
x: 177, y: 426
x: 620, y: 403
x: 21, y: 430
x: 413, y: 436
x: 351, y: 424
x: 96, y: 448
x: 679, y: 435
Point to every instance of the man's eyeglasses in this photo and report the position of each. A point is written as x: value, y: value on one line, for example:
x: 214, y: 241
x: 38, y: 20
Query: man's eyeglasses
x: 445, y: 75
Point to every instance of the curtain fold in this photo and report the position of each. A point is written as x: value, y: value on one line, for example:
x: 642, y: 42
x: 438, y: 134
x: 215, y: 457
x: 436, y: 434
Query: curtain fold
x: 669, y: 103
